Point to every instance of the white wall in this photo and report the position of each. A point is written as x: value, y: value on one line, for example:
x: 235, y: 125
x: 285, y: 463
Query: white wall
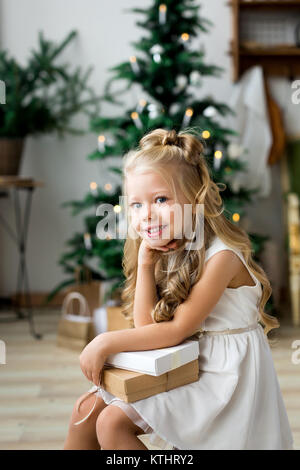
x: 105, y: 34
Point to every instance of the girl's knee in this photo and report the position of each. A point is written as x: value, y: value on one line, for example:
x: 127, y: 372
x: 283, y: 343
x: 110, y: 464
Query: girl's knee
x: 83, y: 406
x: 110, y: 422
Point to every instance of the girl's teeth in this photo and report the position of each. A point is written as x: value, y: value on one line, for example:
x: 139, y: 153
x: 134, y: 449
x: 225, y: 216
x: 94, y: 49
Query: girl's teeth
x: 154, y: 230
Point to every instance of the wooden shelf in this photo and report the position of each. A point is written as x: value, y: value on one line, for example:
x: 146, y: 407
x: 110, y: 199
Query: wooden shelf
x: 282, y: 51
x: 281, y: 60
x: 265, y: 4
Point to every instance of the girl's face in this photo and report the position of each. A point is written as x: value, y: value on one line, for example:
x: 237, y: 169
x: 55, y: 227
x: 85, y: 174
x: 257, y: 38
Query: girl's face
x: 151, y: 204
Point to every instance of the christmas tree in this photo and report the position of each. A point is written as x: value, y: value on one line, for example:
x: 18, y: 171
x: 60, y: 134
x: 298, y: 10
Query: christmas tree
x: 167, y: 71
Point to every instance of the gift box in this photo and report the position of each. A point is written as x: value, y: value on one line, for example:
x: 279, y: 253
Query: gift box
x: 155, y: 361
x: 131, y: 386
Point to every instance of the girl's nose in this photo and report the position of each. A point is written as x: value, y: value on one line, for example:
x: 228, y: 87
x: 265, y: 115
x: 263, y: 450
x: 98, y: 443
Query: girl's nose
x: 147, y: 211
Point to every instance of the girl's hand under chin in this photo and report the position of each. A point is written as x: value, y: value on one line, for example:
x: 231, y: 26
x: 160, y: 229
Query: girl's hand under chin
x: 149, y: 255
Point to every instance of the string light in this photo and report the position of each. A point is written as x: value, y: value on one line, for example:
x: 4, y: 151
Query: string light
x: 136, y: 120
x: 185, y: 39
x: 101, y: 143
x: 206, y: 134
x: 87, y: 241
x: 93, y: 188
x: 134, y: 65
x: 117, y: 208
x: 235, y: 217
x: 108, y: 187
x: 187, y: 117
x: 217, y: 159
x: 142, y: 103
x: 162, y: 13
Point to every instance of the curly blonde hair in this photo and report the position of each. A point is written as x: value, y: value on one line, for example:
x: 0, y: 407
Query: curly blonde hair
x: 158, y: 149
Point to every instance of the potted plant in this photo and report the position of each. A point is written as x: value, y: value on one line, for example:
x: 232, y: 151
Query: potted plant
x: 40, y: 98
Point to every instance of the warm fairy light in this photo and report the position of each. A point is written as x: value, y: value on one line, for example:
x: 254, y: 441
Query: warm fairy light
x: 206, y: 134
x: 141, y: 104
x: 101, y: 143
x: 185, y: 36
x: 134, y: 65
x: 136, y: 119
x: 217, y: 159
x: 117, y: 208
x: 107, y: 186
x: 93, y: 185
x: 235, y: 217
x: 87, y: 241
x: 187, y: 117
x: 162, y: 13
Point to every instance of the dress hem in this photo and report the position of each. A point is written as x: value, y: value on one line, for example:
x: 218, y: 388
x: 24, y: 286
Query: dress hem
x: 289, y: 445
x: 146, y: 421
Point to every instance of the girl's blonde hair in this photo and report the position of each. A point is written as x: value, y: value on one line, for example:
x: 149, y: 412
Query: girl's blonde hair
x: 157, y: 150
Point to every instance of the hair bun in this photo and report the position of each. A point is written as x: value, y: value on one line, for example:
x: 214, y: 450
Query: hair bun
x: 171, y: 138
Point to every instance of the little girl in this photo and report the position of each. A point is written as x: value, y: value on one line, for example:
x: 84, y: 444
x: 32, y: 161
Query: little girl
x: 215, y: 294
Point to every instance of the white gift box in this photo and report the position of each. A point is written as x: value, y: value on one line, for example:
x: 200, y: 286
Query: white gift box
x: 155, y: 361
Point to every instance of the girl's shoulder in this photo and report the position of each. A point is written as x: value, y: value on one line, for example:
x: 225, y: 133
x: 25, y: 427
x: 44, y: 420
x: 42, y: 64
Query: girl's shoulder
x: 216, y: 244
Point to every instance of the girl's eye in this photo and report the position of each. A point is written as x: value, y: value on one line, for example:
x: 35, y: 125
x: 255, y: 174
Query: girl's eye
x: 159, y: 197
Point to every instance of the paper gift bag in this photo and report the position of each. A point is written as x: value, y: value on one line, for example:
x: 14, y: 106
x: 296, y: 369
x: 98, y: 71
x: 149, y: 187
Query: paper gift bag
x: 130, y: 386
x: 86, y: 286
x: 75, y: 330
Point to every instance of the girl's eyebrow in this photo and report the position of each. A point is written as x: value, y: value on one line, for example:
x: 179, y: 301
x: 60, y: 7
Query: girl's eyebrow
x: 156, y: 192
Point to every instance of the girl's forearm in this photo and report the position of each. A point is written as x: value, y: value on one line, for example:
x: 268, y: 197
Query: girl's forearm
x: 154, y: 336
x: 145, y: 297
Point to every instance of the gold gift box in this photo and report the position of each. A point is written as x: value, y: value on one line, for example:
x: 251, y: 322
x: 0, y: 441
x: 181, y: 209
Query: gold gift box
x: 131, y: 386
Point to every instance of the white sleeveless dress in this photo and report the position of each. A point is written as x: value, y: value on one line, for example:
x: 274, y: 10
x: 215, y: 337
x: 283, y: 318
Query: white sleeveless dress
x: 237, y: 402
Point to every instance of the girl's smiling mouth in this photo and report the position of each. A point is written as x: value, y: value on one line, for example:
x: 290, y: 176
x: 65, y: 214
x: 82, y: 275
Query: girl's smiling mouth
x: 154, y: 232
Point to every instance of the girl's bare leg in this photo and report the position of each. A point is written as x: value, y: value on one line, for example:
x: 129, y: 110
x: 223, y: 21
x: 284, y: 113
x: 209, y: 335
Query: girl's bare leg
x: 116, y: 431
x: 84, y: 436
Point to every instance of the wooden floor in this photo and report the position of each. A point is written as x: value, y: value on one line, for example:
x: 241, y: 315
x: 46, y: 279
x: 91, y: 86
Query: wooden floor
x: 40, y: 382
